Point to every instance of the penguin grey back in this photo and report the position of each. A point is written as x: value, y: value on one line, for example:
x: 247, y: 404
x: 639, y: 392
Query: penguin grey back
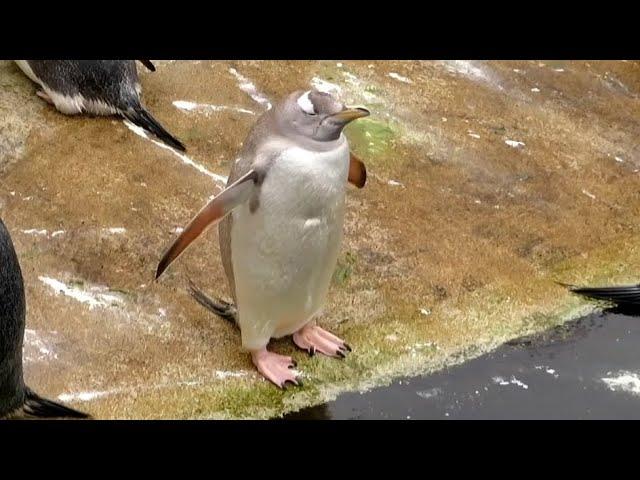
x: 111, y: 81
x: 12, y: 321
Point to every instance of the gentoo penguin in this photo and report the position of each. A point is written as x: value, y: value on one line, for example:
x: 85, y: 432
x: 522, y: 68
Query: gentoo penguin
x: 98, y: 87
x: 622, y: 295
x: 16, y: 399
x: 282, y: 220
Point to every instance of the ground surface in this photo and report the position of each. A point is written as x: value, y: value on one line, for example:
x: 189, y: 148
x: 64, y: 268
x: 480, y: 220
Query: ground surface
x: 488, y: 181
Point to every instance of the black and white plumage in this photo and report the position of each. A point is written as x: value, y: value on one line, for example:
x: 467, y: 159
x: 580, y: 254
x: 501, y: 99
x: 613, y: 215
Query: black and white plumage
x: 98, y: 87
x: 16, y: 399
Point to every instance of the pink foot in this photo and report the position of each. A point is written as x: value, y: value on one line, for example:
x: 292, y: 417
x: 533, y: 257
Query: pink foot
x: 44, y: 96
x: 274, y: 367
x: 314, y: 339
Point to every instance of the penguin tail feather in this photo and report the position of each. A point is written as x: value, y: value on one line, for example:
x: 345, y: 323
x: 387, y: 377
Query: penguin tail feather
x: 225, y: 310
x: 147, y: 63
x: 36, y: 406
x: 142, y: 118
x: 621, y: 295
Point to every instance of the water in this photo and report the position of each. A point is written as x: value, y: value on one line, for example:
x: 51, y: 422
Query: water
x: 586, y: 369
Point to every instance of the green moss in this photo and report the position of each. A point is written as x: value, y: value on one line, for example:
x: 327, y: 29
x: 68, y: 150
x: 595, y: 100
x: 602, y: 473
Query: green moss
x: 344, y: 269
x: 375, y: 137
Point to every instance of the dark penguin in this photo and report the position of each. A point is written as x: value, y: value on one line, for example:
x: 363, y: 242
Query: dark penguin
x: 16, y: 399
x: 625, y: 296
x: 98, y: 87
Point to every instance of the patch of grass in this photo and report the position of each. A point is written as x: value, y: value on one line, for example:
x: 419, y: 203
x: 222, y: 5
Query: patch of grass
x: 344, y: 269
x: 373, y: 136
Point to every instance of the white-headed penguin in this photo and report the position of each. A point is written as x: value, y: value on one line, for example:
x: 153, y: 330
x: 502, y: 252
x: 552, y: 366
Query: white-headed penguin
x: 97, y: 87
x: 16, y: 399
x: 282, y: 221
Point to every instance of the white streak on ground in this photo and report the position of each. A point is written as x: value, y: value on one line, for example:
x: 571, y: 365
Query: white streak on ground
x: 399, y: 77
x: 326, y: 87
x: 205, y: 107
x: 393, y: 183
x: 473, y: 70
x: 88, y: 396
x: 36, y: 232
x: 115, y: 230
x: 37, y: 347
x: 94, y: 297
x: 250, y: 89
x: 514, y: 143
x: 184, y: 158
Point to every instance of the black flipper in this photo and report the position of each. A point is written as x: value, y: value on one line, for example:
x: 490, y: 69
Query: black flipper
x: 224, y: 310
x: 140, y: 117
x: 148, y: 64
x: 620, y: 295
x: 37, y: 406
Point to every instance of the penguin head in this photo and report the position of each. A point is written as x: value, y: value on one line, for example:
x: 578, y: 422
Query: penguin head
x: 316, y: 115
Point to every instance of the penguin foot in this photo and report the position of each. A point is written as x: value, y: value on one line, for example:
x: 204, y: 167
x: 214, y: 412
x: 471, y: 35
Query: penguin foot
x: 314, y: 339
x: 275, y: 368
x: 44, y: 96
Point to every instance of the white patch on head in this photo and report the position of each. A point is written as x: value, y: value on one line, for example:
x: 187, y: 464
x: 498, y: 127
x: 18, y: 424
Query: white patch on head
x: 305, y: 103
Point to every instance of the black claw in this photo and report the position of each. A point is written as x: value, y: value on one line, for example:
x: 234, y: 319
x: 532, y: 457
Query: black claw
x: 346, y: 345
x: 312, y: 351
x: 341, y: 354
x: 294, y: 363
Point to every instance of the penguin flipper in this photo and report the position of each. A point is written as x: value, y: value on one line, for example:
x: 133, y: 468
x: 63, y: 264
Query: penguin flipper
x: 148, y: 64
x: 36, y: 406
x: 225, y: 310
x: 621, y: 295
x: 142, y: 118
x: 214, y: 211
x: 357, y: 171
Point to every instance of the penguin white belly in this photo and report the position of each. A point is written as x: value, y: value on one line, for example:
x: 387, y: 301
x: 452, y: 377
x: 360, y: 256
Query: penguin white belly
x: 284, y: 253
x: 24, y: 66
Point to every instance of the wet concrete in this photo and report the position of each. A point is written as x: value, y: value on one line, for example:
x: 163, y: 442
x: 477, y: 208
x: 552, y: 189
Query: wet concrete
x: 584, y: 369
x: 488, y: 181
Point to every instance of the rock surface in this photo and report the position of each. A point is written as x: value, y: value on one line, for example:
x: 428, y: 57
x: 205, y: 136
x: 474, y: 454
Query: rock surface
x: 488, y: 182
